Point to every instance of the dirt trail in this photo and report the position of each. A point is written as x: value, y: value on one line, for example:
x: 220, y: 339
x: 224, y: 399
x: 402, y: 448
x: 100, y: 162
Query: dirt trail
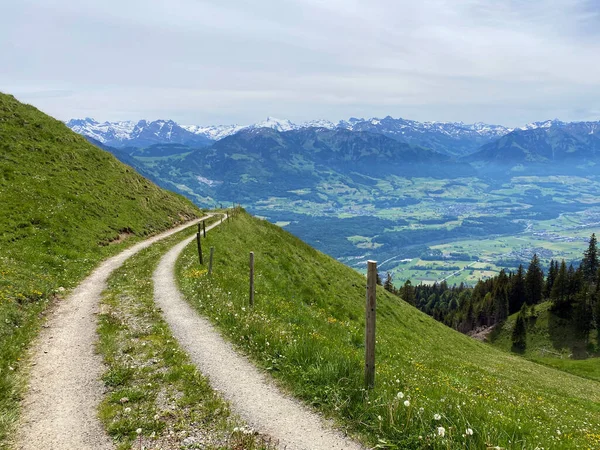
x: 250, y: 392
x: 60, y: 407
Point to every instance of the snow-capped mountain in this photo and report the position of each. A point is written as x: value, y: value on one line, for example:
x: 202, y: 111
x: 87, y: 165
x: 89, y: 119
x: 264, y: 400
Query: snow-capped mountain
x: 544, y: 124
x: 103, y: 132
x: 214, y: 132
x: 137, y: 134
x: 452, y: 138
x: 144, y: 133
x: 579, y: 128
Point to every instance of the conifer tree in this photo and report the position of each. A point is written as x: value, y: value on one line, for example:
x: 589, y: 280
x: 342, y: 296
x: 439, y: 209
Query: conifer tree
x: 590, y: 263
x: 500, y: 295
x: 519, y: 334
x: 551, y: 278
x: 560, y: 289
x: 576, y: 282
x: 597, y: 307
x: 388, y: 285
x: 582, y: 315
x: 534, y: 282
x: 517, y: 291
x: 408, y: 293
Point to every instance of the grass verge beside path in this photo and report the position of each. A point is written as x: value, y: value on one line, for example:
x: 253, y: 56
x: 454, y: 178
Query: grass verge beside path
x: 155, y: 397
x: 65, y: 206
x: 435, y: 388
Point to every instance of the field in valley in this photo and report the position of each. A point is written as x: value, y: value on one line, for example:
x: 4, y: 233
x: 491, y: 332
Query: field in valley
x: 429, y: 230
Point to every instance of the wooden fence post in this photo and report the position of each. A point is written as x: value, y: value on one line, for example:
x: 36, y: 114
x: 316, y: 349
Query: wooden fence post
x: 204, y: 227
x: 210, y: 260
x: 199, y: 247
x: 251, y: 278
x: 370, y: 324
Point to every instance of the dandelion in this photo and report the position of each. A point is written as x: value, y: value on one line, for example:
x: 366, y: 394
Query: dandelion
x: 436, y: 417
x: 469, y: 432
x: 406, y: 403
x: 400, y: 395
x: 441, y: 431
x: 138, y: 431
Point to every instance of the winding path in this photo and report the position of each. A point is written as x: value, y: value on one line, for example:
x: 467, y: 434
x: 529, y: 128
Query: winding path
x: 250, y: 392
x: 60, y: 407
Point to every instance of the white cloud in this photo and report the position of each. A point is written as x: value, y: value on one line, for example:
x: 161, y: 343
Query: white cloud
x: 235, y: 61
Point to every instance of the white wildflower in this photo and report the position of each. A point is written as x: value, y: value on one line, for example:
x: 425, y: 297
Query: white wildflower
x: 469, y: 432
x: 138, y: 431
x: 406, y: 403
x: 400, y: 395
x: 441, y: 431
x: 437, y: 417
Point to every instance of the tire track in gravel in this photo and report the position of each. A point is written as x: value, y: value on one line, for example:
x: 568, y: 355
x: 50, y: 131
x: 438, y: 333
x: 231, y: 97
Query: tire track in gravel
x: 250, y: 392
x: 65, y: 388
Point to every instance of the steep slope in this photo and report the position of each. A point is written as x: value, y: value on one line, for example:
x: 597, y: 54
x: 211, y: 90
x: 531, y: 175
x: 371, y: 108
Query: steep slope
x: 65, y: 204
x: 306, y: 328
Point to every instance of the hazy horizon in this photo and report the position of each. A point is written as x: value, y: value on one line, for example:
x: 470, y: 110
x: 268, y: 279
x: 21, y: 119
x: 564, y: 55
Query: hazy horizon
x: 209, y: 62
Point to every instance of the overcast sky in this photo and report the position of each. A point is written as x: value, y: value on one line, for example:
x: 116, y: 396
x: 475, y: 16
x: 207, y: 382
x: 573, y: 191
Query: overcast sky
x: 238, y: 61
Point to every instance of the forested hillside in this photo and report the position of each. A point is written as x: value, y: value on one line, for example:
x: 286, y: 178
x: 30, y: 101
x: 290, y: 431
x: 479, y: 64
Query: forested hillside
x: 573, y: 295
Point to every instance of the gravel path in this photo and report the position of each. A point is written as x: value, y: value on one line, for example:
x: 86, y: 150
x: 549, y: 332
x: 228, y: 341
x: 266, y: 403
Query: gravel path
x: 250, y: 392
x: 60, y: 407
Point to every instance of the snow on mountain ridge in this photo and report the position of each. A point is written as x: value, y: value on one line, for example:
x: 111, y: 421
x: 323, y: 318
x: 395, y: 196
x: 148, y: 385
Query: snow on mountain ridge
x: 144, y: 132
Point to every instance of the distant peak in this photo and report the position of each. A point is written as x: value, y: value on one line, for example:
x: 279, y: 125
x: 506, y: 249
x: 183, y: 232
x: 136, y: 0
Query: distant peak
x: 80, y: 122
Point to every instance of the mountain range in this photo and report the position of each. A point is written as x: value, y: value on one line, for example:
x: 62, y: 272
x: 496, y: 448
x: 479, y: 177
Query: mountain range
x: 450, y: 138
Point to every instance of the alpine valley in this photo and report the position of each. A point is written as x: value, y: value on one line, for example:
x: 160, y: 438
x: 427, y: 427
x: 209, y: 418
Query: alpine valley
x: 430, y: 201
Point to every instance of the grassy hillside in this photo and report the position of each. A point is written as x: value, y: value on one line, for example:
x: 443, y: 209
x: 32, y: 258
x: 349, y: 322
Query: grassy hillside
x: 549, y: 341
x: 307, y: 330
x: 65, y: 205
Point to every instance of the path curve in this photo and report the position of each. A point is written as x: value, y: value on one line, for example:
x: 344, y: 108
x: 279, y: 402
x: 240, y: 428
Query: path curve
x: 251, y: 393
x: 65, y: 389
